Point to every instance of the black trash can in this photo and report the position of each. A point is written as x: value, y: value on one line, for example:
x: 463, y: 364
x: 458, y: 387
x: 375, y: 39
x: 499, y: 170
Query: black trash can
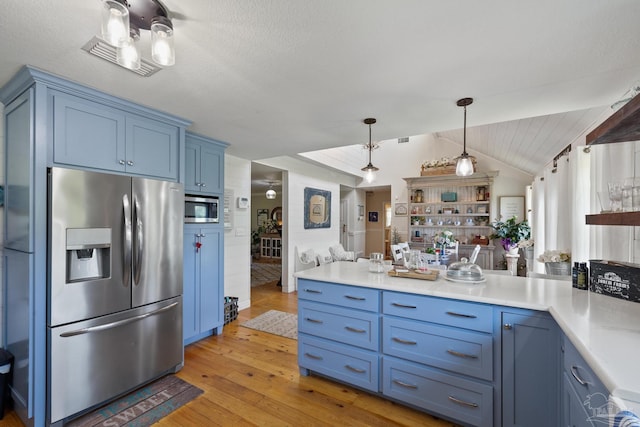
x: 6, y: 364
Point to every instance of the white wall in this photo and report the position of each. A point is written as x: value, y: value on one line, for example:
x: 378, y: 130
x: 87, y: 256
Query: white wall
x: 237, y: 241
x: 297, y: 175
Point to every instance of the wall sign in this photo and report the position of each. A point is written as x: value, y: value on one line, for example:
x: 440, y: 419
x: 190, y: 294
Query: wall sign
x: 317, y: 208
x: 511, y: 206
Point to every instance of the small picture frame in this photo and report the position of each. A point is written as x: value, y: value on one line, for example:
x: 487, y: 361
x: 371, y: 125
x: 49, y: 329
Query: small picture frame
x: 373, y: 216
x: 401, y: 209
x: 481, y: 210
x: 317, y: 208
x: 262, y: 217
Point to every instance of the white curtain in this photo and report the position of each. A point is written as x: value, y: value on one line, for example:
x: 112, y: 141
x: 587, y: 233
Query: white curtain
x: 538, y: 220
x: 582, y: 199
x: 558, y: 206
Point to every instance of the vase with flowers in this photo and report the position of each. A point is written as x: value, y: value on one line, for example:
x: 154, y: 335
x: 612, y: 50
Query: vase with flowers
x: 510, y: 233
x: 442, y: 240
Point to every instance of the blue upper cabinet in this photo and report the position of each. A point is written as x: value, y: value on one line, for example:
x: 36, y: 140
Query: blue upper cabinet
x: 204, y: 165
x: 92, y: 135
x: 152, y: 148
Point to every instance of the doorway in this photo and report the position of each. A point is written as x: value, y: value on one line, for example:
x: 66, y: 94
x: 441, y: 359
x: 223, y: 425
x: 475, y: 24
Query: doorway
x: 377, y: 219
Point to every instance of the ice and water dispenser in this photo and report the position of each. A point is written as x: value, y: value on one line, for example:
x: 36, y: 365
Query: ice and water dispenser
x: 88, y: 254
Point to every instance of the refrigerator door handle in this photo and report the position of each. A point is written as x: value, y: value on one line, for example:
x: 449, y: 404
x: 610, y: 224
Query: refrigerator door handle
x: 137, y: 265
x: 126, y: 253
x: 116, y: 323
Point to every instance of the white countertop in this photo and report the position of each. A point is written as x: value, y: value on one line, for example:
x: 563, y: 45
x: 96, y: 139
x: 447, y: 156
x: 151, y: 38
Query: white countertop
x: 605, y: 330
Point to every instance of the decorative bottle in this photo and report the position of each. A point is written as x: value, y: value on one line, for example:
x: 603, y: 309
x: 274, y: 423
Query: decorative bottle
x: 574, y: 274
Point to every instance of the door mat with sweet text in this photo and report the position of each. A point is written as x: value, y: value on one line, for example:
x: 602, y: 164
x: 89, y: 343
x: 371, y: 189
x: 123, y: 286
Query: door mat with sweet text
x: 142, y: 407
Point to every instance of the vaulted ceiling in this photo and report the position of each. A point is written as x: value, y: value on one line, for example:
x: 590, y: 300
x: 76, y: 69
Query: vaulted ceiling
x: 280, y: 77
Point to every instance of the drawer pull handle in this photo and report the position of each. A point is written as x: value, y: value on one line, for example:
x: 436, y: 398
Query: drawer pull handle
x: 308, y: 319
x: 401, y: 341
x: 354, y: 298
x: 462, y: 402
x: 574, y: 372
x: 312, y: 291
x: 403, y: 384
x: 468, y: 316
x: 351, y: 329
x: 313, y: 356
x: 356, y: 370
x: 457, y: 353
x: 402, y: 305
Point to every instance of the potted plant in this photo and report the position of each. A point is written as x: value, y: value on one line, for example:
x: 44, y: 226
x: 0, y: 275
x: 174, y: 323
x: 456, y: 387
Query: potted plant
x: 510, y: 232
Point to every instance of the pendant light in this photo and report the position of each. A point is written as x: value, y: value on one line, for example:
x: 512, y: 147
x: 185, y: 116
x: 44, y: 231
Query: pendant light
x: 271, y: 193
x: 369, y: 169
x: 464, y: 165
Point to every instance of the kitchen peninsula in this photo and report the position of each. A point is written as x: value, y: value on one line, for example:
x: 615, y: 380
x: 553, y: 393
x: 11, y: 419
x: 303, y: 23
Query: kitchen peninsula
x: 480, y: 354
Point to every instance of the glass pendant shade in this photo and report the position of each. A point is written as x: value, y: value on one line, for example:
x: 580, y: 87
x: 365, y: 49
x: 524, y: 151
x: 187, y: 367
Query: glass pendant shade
x: 162, y: 49
x: 464, y: 167
x: 115, y: 23
x: 370, y: 176
x: 129, y: 55
x: 271, y: 194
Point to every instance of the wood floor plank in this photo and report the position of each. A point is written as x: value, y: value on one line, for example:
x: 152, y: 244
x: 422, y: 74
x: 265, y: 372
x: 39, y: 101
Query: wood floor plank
x: 251, y: 378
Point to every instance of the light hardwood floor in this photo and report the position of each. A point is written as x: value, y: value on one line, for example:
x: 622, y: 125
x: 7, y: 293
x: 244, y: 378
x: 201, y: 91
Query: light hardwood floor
x: 251, y: 378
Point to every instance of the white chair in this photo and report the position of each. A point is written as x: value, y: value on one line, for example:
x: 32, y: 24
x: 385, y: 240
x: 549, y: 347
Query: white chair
x: 304, y: 259
x: 339, y: 254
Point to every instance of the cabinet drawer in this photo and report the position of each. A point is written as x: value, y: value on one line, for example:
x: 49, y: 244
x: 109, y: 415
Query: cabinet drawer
x: 580, y: 375
x: 349, y: 326
x: 464, y: 400
x: 339, y: 361
x: 459, y: 314
x: 346, y: 296
x: 464, y: 352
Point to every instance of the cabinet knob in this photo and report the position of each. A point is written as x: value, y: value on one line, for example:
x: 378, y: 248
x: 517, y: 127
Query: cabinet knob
x: 202, y: 184
x: 129, y: 163
x: 122, y: 162
x: 508, y: 326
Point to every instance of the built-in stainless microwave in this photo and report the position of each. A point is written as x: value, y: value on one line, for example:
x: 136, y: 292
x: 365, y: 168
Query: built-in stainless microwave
x: 201, y: 209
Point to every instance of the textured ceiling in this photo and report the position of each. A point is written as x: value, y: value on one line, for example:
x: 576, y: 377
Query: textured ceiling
x: 279, y: 77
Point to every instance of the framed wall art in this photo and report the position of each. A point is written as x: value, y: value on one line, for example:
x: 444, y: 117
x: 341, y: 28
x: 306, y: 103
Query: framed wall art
x: 401, y: 209
x: 373, y: 216
x: 511, y: 206
x: 263, y: 216
x: 317, y: 208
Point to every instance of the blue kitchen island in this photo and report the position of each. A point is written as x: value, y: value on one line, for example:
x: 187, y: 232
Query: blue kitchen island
x: 509, y: 351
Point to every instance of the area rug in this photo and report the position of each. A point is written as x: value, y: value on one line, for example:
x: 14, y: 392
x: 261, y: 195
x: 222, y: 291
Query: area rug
x: 263, y: 273
x: 275, y: 322
x: 142, y: 407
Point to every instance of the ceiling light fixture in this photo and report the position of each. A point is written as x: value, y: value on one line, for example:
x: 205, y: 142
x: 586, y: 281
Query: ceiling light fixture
x: 122, y: 21
x: 271, y: 193
x: 370, y: 169
x: 464, y: 164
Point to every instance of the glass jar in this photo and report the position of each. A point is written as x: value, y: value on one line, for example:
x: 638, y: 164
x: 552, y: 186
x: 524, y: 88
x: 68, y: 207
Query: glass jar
x: 376, y: 262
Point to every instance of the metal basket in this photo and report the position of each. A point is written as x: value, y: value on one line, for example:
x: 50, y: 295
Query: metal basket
x: 558, y: 268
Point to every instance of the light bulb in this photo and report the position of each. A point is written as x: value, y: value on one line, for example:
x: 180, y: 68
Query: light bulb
x: 128, y: 55
x: 370, y: 176
x: 271, y: 194
x: 162, y: 51
x: 464, y: 167
x: 115, y: 23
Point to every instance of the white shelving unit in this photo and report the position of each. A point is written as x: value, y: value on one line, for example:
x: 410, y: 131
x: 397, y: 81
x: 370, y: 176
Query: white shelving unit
x: 448, y: 202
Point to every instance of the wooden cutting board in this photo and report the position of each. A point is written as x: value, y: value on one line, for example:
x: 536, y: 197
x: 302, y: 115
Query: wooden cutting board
x: 411, y: 274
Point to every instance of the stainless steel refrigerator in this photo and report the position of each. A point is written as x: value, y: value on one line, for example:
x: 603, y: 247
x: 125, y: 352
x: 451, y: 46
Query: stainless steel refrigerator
x: 115, y: 286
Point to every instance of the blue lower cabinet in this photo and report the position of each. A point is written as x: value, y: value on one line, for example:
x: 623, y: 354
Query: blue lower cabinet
x: 531, y: 377
x: 342, y: 362
x: 584, y: 397
x: 451, y: 396
x: 203, y: 284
